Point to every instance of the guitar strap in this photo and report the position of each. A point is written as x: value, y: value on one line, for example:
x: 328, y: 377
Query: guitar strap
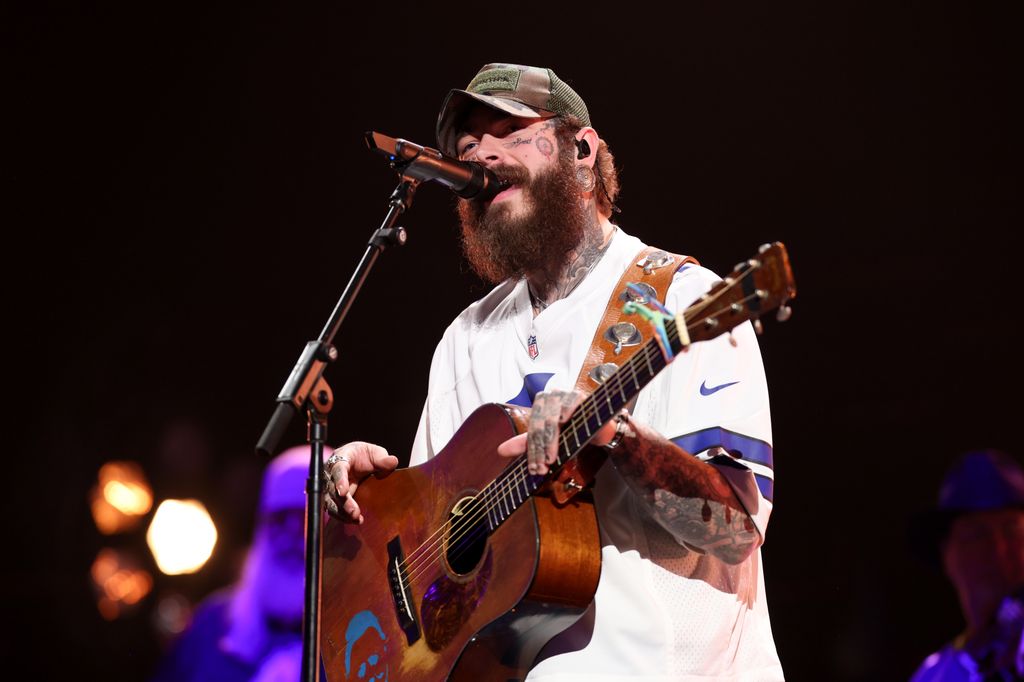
x: 615, y: 342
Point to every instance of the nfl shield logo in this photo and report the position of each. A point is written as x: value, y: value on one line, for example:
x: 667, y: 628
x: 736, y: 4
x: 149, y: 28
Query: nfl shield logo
x: 531, y: 346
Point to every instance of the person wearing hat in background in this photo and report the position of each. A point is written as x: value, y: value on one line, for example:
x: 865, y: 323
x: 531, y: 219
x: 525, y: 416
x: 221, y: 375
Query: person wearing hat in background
x: 684, y: 504
x: 253, y: 630
x: 976, y: 534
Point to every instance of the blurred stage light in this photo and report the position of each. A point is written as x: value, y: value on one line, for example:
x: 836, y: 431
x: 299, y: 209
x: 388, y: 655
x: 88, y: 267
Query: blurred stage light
x: 120, y: 497
x: 172, y: 615
x: 118, y: 582
x: 181, y: 536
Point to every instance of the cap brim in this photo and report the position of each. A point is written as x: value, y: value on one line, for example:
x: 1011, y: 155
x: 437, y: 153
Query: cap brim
x: 457, y: 104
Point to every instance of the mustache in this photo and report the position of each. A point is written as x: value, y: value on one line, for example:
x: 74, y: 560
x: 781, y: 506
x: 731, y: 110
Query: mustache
x: 507, y: 176
x: 510, y: 175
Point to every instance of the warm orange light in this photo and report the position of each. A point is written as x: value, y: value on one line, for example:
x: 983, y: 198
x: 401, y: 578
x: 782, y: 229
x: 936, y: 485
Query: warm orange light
x: 128, y: 498
x: 120, y: 497
x: 181, y: 536
x: 119, y: 585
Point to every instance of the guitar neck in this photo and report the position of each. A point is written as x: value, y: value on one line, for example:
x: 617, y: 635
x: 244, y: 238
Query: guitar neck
x: 754, y: 287
x: 515, y: 485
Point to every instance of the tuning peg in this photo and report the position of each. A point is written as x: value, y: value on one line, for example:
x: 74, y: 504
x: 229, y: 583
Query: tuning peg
x: 763, y: 248
x: 732, y: 340
x: 758, y: 327
x: 784, y: 313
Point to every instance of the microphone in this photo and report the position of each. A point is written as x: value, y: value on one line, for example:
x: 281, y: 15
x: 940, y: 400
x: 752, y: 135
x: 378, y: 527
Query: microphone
x: 467, y: 179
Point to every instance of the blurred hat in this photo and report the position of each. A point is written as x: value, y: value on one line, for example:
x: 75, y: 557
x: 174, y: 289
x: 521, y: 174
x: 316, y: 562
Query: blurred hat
x: 980, y: 480
x: 526, y: 91
x: 284, y: 480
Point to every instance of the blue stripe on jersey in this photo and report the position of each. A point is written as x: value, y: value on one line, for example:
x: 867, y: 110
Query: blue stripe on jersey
x: 766, y: 485
x: 532, y: 385
x: 747, y: 448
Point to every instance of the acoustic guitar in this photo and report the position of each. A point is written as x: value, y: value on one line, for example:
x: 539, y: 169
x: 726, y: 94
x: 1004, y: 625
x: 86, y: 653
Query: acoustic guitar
x: 467, y: 565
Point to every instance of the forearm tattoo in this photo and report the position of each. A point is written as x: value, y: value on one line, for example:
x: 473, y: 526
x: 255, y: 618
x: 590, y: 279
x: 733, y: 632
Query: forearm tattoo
x: 688, y: 498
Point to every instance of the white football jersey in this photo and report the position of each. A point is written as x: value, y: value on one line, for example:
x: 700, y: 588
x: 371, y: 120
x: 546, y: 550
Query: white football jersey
x: 662, y: 611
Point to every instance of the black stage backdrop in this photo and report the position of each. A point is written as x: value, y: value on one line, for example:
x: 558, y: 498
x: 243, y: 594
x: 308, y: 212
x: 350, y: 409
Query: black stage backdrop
x: 189, y: 191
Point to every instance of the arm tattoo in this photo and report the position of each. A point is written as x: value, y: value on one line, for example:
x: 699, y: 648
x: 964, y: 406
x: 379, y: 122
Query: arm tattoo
x: 688, y: 498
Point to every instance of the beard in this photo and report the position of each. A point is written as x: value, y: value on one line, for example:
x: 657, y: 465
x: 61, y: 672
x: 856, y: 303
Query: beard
x: 499, y: 245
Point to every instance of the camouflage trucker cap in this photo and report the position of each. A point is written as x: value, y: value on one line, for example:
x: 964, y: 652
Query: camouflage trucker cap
x: 527, y: 91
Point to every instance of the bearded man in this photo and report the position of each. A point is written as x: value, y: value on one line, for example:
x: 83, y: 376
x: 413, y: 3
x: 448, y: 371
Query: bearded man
x: 684, y: 504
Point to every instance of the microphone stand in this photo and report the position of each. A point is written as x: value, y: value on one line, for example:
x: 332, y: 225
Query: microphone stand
x: 307, y: 390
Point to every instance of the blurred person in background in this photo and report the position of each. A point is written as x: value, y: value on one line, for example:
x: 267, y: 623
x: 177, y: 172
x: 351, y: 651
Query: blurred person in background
x: 976, y: 534
x: 252, y: 630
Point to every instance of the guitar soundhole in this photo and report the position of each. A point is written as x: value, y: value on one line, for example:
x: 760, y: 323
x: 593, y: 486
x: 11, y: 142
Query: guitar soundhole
x: 467, y: 536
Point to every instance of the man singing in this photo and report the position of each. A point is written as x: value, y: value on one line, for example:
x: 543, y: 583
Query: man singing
x: 684, y: 501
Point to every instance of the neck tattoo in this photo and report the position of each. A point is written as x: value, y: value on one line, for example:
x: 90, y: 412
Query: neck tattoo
x: 584, y: 262
x: 539, y: 304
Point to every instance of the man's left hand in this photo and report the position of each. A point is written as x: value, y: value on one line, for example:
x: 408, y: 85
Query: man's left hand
x: 540, y: 442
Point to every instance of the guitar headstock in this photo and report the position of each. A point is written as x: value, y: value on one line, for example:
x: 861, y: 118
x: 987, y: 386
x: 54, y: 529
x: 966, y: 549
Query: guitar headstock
x: 754, y: 287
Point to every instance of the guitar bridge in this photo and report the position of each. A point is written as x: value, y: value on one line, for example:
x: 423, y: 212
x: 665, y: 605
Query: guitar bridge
x: 401, y: 594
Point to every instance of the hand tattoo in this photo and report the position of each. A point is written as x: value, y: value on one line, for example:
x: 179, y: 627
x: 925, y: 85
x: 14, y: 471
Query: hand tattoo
x: 550, y: 408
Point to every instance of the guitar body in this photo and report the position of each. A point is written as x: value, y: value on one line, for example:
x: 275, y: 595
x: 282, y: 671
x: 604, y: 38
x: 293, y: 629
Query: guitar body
x: 423, y: 591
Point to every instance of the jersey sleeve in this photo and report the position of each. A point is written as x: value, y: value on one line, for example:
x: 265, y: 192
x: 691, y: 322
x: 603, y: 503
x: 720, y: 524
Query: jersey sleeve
x: 421, y: 445
x: 437, y: 420
x: 712, y: 401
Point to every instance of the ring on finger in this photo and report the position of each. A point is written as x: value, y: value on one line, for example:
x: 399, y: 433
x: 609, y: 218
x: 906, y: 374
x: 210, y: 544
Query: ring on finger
x: 331, y: 461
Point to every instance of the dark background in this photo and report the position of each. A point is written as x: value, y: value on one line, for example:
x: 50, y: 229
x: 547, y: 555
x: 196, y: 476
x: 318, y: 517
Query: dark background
x: 189, y: 192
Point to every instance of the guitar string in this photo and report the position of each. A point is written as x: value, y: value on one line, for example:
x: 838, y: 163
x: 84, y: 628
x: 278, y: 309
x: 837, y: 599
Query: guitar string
x: 505, y: 484
x: 498, y: 490
x: 582, y: 416
x: 466, y: 524
x: 511, y: 478
x: 732, y: 280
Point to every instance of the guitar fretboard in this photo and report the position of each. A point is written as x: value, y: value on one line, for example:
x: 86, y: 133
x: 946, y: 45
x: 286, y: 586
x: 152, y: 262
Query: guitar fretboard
x: 515, y: 484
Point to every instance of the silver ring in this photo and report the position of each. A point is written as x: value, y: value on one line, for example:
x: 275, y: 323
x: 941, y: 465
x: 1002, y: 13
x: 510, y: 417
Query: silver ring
x: 331, y: 461
x: 620, y: 430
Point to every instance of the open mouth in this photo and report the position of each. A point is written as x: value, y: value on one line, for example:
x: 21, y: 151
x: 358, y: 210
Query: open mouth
x: 505, y: 193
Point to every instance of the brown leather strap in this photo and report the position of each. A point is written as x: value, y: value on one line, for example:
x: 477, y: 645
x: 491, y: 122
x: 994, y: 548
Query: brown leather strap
x: 651, y: 266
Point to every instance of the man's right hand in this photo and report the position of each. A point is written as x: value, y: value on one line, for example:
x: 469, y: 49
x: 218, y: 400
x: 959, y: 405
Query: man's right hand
x: 355, y: 461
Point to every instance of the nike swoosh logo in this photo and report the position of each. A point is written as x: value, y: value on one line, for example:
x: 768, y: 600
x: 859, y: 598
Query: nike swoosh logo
x: 704, y: 390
